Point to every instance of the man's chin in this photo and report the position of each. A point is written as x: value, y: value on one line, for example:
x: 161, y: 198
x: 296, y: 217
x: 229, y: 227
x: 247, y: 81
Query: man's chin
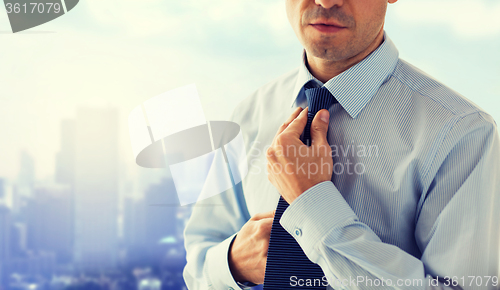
x: 331, y: 52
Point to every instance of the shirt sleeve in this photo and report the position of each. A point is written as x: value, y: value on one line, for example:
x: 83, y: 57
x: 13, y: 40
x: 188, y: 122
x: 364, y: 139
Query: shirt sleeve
x: 209, y: 232
x: 457, y: 226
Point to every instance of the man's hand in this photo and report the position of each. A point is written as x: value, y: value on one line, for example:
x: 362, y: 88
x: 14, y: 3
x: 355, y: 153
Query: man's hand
x: 248, y: 252
x: 292, y: 166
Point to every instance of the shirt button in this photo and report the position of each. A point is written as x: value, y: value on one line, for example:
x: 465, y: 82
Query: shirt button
x: 230, y: 288
x: 298, y: 232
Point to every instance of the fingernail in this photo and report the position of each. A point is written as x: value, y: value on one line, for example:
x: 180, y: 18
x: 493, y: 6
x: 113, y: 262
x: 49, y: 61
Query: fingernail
x: 324, y: 116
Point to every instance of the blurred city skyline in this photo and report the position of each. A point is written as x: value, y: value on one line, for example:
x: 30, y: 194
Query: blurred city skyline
x: 85, y: 230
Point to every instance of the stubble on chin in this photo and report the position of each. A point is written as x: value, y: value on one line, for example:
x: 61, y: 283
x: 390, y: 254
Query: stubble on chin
x: 326, y: 49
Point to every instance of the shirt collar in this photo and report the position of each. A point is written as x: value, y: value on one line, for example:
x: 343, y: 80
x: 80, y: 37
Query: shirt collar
x: 355, y: 87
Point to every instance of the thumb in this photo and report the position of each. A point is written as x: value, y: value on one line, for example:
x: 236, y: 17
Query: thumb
x: 319, y: 127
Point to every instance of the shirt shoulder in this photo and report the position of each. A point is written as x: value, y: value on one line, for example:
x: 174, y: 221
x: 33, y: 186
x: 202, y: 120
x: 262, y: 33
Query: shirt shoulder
x: 435, y: 93
x: 444, y: 119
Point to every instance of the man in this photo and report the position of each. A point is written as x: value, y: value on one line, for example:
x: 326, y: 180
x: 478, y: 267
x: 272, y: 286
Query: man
x: 398, y: 189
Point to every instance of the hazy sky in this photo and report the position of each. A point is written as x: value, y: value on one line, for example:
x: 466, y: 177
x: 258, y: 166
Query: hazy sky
x: 119, y: 53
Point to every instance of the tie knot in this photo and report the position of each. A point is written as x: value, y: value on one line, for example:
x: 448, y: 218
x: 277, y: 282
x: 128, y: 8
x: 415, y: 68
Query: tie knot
x: 319, y: 98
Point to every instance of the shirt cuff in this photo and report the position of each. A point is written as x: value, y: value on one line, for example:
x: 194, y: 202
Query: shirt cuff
x: 314, y: 214
x: 218, y: 266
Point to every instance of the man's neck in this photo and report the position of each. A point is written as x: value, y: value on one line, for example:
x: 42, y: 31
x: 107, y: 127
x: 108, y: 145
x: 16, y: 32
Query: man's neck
x: 324, y: 70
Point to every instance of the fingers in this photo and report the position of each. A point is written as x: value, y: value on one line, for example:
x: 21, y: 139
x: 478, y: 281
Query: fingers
x: 266, y: 226
x: 297, y: 126
x: 289, y: 120
x: 263, y: 215
x: 319, y: 127
x: 263, y: 223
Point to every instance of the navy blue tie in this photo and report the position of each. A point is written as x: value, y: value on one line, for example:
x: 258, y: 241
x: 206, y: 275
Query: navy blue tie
x: 285, y: 257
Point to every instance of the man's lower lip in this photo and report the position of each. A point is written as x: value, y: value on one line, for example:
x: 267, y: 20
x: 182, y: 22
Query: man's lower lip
x: 327, y: 28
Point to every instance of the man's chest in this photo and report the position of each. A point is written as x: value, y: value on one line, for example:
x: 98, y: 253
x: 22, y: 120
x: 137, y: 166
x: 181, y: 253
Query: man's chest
x: 377, y: 172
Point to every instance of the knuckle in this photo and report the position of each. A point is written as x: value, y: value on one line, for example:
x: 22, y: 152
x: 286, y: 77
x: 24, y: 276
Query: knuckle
x: 315, y: 127
x: 267, y: 229
x: 270, y: 151
x: 260, y: 227
x: 281, y: 139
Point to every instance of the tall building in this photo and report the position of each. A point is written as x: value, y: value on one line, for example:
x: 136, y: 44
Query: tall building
x: 26, y: 176
x: 18, y: 239
x: 161, y: 204
x: 65, y: 158
x: 134, y: 219
x: 50, y: 221
x: 149, y: 222
x: 5, y: 225
x: 96, y: 189
x: 65, y: 174
x: 2, y: 188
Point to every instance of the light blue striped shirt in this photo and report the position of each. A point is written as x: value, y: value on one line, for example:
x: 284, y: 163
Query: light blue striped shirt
x: 414, y: 196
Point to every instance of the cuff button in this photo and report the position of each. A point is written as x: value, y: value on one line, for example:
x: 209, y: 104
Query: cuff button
x: 298, y: 232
